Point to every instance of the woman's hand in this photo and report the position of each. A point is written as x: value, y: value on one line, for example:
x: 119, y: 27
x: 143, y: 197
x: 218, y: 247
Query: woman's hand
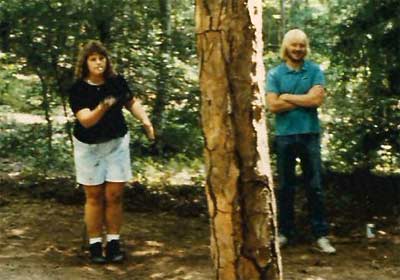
x: 135, y: 107
x: 148, y: 127
x: 108, y: 102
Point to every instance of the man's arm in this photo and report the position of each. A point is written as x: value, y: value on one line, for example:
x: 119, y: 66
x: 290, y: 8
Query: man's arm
x: 313, y: 98
x: 277, y: 104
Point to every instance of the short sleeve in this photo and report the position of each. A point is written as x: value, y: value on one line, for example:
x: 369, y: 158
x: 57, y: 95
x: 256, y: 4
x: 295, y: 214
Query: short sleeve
x: 76, y: 100
x: 128, y: 94
x: 120, y: 89
x: 271, y: 84
x: 319, y: 77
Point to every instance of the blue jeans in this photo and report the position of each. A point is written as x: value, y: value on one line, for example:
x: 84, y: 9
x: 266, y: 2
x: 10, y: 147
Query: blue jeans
x: 307, y: 148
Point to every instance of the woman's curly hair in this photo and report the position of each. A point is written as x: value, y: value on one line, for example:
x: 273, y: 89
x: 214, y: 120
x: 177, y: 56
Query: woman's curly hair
x: 91, y: 47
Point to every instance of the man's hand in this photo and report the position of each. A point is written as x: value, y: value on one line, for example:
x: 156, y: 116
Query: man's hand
x: 285, y: 96
x: 277, y: 105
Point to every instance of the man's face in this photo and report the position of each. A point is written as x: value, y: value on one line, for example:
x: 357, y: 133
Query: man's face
x: 296, y: 50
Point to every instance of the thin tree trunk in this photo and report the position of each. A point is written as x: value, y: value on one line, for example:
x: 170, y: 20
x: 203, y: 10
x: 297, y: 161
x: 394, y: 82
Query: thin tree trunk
x: 5, y: 31
x: 47, y: 114
x: 64, y: 102
x: 59, y: 77
x: 68, y: 124
x: 162, y: 82
x: 239, y: 187
x: 283, y: 20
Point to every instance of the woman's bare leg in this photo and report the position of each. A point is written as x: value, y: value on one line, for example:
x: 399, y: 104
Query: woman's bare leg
x: 94, y: 210
x: 113, y: 205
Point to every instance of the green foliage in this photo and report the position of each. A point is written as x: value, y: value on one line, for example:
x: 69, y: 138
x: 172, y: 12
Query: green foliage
x: 271, y: 25
x: 357, y: 43
x: 16, y: 91
x: 367, y: 75
x: 177, y: 170
x: 132, y: 31
x: 27, y: 144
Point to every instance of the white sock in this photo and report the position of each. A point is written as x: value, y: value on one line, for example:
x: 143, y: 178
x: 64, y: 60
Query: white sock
x: 112, y: 237
x: 94, y: 240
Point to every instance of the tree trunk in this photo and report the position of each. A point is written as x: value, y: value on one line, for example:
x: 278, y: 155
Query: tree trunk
x: 47, y: 111
x: 162, y: 82
x: 239, y: 186
x: 283, y: 21
x: 60, y: 77
x: 5, y: 31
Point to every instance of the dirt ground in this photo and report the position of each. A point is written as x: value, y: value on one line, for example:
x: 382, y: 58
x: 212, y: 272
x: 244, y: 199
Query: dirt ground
x: 42, y: 239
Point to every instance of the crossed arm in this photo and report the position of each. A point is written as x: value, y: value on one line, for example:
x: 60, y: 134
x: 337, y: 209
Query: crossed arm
x: 286, y: 101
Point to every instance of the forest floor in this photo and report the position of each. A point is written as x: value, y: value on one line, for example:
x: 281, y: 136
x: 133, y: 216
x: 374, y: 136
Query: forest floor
x: 42, y: 239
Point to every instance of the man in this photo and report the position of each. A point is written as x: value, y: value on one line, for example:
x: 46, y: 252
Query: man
x: 294, y: 92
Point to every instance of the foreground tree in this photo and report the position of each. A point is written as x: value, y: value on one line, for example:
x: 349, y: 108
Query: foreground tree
x: 239, y: 187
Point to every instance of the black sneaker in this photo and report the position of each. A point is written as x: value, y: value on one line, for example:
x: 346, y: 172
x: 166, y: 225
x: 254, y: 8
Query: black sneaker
x: 96, y: 253
x: 113, y: 252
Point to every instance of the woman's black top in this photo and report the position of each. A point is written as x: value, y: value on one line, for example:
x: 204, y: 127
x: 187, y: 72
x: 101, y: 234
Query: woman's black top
x: 112, y: 124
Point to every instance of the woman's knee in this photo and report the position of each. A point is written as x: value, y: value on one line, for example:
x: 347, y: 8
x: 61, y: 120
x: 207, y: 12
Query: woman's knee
x: 114, y: 197
x: 94, y: 196
x: 113, y: 192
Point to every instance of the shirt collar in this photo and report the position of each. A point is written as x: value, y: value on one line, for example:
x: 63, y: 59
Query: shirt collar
x: 303, y: 67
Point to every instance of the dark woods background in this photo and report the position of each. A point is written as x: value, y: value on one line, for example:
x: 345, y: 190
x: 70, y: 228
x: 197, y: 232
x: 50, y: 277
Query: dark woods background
x: 153, y: 44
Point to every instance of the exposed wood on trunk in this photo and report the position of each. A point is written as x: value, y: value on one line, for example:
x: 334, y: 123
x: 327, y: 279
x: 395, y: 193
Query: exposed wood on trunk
x: 239, y: 186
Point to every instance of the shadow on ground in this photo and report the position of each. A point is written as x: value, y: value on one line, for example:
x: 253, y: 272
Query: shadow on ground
x: 42, y: 239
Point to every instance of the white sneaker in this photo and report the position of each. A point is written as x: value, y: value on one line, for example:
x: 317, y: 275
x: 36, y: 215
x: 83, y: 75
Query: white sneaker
x: 324, y: 246
x: 283, y: 241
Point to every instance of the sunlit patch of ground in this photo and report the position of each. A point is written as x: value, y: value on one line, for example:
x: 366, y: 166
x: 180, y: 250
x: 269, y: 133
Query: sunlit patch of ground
x: 23, y: 118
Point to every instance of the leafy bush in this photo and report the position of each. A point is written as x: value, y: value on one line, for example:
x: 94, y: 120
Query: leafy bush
x: 28, y: 144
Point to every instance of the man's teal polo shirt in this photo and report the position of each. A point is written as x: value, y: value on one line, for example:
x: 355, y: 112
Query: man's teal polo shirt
x: 282, y: 79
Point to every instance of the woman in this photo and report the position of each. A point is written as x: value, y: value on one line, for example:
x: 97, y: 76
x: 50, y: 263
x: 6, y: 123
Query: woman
x: 101, y: 145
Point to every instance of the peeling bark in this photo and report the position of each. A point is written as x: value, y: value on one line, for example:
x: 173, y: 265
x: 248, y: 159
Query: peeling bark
x: 239, y: 186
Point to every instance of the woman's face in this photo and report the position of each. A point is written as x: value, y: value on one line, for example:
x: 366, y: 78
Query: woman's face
x: 96, y: 64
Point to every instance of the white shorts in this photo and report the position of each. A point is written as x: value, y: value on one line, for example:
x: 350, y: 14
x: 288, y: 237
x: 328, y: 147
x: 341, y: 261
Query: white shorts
x: 97, y: 163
